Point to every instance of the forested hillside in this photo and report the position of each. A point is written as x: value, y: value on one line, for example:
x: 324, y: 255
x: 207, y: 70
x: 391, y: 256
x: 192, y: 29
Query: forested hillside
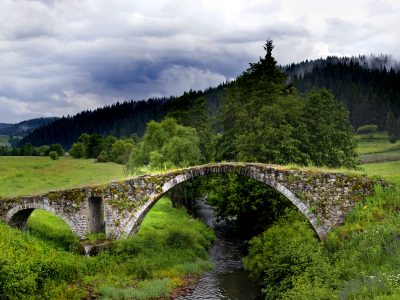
x: 4, y: 125
x: 368, y: 87
x: 119, y: 119
x: 25, y: 127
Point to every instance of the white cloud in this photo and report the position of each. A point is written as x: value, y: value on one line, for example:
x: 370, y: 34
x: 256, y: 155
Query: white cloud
x: 61, y: 56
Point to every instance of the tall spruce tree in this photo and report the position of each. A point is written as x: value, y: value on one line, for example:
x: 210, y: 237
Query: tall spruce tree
x: 266, y: 120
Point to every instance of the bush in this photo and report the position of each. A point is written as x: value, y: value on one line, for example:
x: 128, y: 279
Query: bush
x: 53, y: 155
x: 77, y: 150
x: 367, y: 129
x: 288, y: 255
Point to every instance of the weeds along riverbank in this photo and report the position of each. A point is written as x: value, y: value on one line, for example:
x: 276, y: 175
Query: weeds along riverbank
x: 43, y: 263
x: 358, y: 260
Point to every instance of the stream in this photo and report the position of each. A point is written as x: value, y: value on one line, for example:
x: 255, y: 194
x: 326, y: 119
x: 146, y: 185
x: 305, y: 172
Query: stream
x: 227, y: 280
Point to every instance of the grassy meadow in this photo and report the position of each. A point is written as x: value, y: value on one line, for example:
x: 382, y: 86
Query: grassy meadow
x: 377, y: 148
x: 29, y: 175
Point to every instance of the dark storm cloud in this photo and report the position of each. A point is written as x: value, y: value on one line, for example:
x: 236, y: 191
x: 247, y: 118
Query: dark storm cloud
x: 58, y: 57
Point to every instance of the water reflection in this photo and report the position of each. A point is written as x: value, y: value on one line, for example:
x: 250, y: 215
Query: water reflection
x: 227, y: 280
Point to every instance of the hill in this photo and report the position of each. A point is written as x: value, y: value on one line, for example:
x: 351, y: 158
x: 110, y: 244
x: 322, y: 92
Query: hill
x: 119, y: 119
x: 25, y: 127
x: 368, y: 86
x: 4, y: 125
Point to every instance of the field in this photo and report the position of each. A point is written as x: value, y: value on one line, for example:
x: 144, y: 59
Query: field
x: 35, y: 175
x: 4, y: 140
x: 376, y: 148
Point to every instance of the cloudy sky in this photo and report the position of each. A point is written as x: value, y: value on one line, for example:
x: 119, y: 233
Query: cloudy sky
x: 59, y: 57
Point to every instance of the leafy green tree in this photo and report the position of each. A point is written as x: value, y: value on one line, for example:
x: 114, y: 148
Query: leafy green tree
x: 107, y: 144
x: 121, y: 151
x: 184, y: 149
x: 245, y: 109
x: 252, y: 205
x: 330, y: 140
x: 27, y: 150
x: 168, y: 142
x: 44, y: 150
x: 57, y: 148
x: 78, y: 150
x: 193, y: 113
x: 266, y: 120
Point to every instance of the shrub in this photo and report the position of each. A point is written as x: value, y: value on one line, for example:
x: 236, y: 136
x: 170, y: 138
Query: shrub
x: 288, y: 254
x: 367, y: 129
x: 53, y: 155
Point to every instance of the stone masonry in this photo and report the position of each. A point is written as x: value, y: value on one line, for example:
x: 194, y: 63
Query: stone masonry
x: 118, y: 208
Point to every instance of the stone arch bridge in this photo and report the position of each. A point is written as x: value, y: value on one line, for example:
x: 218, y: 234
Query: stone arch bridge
x: 118, y: 208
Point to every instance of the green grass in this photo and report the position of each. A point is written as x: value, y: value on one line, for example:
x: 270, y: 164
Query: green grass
x: 35, y: 175
x: 387, y: 170
x: 376, y: 143
x: 4, y: 140
x: 169, y: 246
x: 51, y: 229
x: 377, y: 148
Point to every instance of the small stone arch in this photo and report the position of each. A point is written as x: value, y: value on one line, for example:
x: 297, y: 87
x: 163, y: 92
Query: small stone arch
x: 18, y: 215
x: 135, y: 221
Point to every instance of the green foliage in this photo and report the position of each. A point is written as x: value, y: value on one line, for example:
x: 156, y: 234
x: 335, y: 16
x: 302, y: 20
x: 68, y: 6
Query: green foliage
x: 252, y: 205
x: 78, y: 150
x: 147, y: 289
x: 168, y: 143
x: 193, y: 113
x: 359, y: 260
x: 51, y: 229
x: 367, y: 129
x: 53, y: 155
x: 121, y: 151
x: 330, y: 139
x: 265, y: 120
x: 35, y: 265
x: 57, y: 148
x: 289, y: 256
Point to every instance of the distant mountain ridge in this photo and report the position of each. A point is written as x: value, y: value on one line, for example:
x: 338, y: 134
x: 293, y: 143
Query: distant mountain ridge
x: 371, y: 62
x: 25, y: 127
x: 368, y: 86
x: 119, y: 119
x: 4, y: 125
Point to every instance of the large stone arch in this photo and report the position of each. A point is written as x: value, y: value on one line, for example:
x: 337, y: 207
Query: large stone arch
x: 135, y: 221
x: 19, y: 214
